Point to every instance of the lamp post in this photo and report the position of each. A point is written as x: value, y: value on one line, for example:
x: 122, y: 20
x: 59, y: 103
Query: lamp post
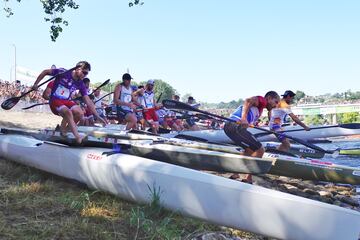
x: 14, y: 60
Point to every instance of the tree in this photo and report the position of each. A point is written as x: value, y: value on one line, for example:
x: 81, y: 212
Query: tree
x: 314, y: 119
x: 163, y: 88
x: 299, y: 95
x: 350, y: 117
x: 53, y: 10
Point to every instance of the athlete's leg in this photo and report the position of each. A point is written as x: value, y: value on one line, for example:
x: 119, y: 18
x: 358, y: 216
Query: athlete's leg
x: 285, y: 145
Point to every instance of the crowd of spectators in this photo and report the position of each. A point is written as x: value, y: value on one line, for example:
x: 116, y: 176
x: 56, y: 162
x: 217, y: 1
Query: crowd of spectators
x: 15, y: 89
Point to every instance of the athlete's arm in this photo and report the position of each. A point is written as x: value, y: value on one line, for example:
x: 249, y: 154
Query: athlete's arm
x: 92, y: 108
x: 46, y: 93
x: 40, y: 77
x: 297, y: 120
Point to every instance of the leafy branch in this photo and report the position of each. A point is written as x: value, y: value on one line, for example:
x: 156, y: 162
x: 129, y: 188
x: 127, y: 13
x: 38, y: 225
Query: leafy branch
x: 53, y: 9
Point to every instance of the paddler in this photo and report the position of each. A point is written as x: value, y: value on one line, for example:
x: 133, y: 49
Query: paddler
x: 124, y: 102
x: 278, y: 116
x: 148, y: 103
x: 246, y: 115
x: 60, y: 98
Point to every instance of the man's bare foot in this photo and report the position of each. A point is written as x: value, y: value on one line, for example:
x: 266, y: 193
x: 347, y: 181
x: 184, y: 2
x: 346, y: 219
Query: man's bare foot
x: 247, y: 179
x: 81, y: 139
x: 63, y: 132
x: 234, y: 176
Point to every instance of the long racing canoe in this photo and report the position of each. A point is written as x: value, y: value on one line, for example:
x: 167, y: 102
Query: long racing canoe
x: 183, y: 153
x: 211, y: 198
x: 294, y: 131
x: 202, y: 159
x: 221, y: 158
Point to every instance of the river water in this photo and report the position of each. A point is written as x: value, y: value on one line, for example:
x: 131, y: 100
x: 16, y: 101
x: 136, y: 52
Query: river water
x: 348, y: 160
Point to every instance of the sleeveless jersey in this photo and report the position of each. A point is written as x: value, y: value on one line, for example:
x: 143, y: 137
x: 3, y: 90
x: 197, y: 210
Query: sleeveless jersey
x: 147, y: 100
x: 125, y: 96
x: 254, y: 113
x: 279, y: 114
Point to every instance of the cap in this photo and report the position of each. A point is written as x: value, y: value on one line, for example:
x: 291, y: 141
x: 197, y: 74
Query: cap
x: 126, y: 76
x: 288, y: 93
x: 190, y: 98
x: 151, y: 82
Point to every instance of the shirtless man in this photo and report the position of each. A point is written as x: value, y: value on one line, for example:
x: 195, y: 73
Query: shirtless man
x: 60, y: 97
x: 278, y: 115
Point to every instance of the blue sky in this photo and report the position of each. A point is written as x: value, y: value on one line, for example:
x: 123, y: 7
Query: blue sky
x: 215, y: 50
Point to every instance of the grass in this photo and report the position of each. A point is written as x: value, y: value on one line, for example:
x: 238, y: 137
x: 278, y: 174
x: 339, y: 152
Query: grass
x: 38, y: 205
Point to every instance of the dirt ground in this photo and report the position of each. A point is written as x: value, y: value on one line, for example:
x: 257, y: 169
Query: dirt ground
x: 28, y: 119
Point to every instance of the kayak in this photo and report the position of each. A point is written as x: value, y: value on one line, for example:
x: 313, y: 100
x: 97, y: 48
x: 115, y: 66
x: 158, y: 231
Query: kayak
x: 215, y: 157
x: 195, y: 158
x: 219, y: 136
x: 202, y: 159
x: 313, y: 169
x: 205, y: 196
x: 296, y: 149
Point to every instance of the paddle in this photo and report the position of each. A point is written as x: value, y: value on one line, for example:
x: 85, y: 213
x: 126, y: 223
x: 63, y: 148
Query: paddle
x: 158, y: 99
x: 34, y: 105
x: 104, y: 97
x: 11, y: 102
x: 345, y: 125
x: 38, y: 104
x: 183, y: 106
x: 103, y: 84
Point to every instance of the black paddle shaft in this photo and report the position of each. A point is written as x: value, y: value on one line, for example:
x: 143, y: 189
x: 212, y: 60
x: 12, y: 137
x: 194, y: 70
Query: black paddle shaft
x: 103, y: 84
x: 183, y: 106
x: 11, y: 102
x: 345, y: 125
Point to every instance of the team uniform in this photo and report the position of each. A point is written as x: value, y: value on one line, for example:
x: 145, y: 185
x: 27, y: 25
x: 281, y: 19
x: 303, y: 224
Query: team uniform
x: 241, y: 136
x: 147, y: 102
x: 125, y: 96
x: 278, y: 116
x: 166, y: 117
x: 62, y: 89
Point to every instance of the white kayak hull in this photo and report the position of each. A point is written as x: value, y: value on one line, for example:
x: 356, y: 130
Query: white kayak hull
x: 219, y: 136
x: 207, y: 156
x: 201, y: 195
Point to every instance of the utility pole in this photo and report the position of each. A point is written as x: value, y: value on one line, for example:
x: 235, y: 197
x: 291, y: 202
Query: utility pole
x: 14, y: 60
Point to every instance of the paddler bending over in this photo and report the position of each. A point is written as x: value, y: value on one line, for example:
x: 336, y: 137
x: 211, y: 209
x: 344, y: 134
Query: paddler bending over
x: 60, y: 97
x: 278, y: 115
x: 248, y: 114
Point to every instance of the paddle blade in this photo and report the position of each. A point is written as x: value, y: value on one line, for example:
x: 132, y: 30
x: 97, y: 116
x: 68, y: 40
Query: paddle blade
x: 10, y: 103
x: 172, y: 104
x: 104, y: 83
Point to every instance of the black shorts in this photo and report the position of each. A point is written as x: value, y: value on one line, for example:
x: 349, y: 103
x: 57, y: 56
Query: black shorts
x: 241, y: 136
x: 122, y: 113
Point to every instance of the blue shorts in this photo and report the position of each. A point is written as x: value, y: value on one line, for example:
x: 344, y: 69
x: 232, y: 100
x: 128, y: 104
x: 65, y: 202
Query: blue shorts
x: 122, y: 113
x: 279, y: 136
x: 139, y: 115
x: 190, y: 121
